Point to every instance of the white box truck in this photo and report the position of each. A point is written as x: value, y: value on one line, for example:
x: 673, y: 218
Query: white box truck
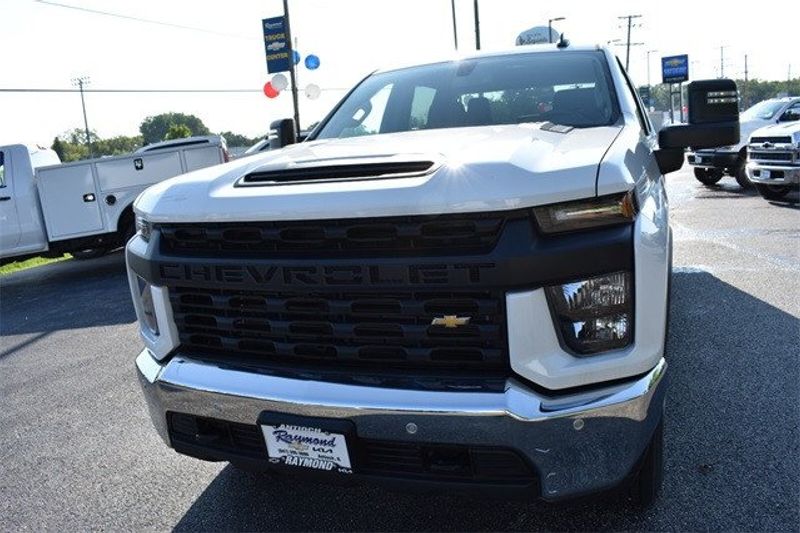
x: 85, y: 208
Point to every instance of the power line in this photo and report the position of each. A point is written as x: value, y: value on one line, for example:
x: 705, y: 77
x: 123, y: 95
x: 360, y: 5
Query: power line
x: 46, y: 90
x: 140, y: 19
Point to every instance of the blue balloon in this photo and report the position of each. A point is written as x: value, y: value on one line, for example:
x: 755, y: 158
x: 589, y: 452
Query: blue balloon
x: 296, y: 56
x: 312, y: 62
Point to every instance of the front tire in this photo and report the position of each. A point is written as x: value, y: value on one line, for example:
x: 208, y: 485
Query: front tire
x: 707, y: 176
x: 773, y: 192
x: 740, y: 173
x: 89, y: 253
x: 646, y: 486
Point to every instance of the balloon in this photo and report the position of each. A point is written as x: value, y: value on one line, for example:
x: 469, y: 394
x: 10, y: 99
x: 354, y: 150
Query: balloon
x: 270, y: 91
x: 296, y: 56
x: 312, y: 62
x: 279, y: 81
x: 313, y: 91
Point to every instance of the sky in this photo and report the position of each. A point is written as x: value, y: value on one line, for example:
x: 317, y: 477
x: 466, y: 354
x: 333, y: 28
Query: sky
x: 218, y: 45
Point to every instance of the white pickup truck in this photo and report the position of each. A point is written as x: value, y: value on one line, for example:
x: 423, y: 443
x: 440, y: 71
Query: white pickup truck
x: 461, y: 277
x: 85, y: 208
x: 773, y: 160
x: 710, y: 165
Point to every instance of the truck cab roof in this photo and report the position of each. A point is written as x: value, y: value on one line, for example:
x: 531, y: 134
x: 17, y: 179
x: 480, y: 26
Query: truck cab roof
x: 188, y: 141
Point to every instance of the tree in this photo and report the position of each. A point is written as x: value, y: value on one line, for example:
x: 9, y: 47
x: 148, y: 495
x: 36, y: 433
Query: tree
x: 154, y: 129
x: 59, y: 148
x: 71, y: 145
x: 177, y: 131
x: 236, y: 139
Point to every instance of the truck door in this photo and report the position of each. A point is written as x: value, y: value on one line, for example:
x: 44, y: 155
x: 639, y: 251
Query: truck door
x: 9, y: 221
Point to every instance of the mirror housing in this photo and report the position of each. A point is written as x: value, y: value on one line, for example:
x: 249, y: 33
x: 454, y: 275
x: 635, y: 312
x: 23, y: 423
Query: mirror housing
x: 713, y: 118
x: 281, y: 133
x: 713, y: 122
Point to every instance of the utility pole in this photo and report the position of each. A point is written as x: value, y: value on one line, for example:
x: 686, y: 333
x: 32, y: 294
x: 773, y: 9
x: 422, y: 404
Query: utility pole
x: 455, y: 28
x: 292, y: 69
x: 628, y: 46
x: 477, y: 28
x: 722, y: 61
x: 550, y: 28
x: 79, y: 83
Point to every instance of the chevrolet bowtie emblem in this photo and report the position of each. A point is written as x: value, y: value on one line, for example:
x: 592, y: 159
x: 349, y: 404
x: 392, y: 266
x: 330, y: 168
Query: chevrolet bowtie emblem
x: 450, y: 321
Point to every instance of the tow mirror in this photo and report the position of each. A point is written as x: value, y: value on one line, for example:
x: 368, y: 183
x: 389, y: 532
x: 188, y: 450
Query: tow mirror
x: 713, y: 122
x: 281, y: 133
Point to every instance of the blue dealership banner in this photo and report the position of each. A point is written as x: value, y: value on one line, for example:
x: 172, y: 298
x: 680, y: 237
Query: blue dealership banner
x: 276, y: 45
x: 675, y: 69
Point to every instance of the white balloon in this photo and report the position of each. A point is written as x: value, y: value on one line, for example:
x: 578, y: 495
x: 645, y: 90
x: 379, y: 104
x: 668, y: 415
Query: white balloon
x: 313, y: 91
x: 280, y: 82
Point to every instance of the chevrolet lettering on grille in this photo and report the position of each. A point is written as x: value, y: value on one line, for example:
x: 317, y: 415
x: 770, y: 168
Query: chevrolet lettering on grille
x: 332, y: 275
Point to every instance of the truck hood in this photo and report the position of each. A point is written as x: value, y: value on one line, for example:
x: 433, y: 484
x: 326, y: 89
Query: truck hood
x: 788, y: 129
x: 476, y: 169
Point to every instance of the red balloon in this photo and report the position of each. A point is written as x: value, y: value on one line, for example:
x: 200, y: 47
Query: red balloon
x: 270, y: 91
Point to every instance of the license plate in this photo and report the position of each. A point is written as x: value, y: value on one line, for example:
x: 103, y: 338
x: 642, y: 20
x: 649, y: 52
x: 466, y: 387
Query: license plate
x: 307, y: 447
x: 765, y: 174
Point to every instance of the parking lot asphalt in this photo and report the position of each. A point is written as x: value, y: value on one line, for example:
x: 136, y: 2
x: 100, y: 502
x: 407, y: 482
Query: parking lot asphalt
x: 78, y: 450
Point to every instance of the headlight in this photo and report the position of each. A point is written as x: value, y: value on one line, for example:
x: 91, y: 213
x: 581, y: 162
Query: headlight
x: 585, y: 214
x: 145, y: 295
x: 143, y: 228
x: 594, y: 315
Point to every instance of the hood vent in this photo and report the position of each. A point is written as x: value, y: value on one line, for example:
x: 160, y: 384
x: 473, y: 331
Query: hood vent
x: 309, y: 173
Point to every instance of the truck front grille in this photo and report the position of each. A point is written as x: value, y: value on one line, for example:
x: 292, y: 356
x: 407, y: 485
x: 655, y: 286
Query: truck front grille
x: 775, y: 140
x: 771, y: 156
x: 387, y: 235
x: 378, y: 329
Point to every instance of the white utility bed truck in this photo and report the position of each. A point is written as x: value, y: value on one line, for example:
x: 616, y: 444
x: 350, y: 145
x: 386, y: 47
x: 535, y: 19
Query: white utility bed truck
x: 85, y: 208
x: 460, y: 278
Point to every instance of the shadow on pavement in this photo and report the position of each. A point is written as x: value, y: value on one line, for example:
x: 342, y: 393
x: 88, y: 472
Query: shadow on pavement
x: 65, y: 295
x: 731, y: 432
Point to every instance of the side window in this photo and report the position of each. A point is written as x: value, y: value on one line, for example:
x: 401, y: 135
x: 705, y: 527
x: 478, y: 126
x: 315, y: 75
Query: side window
x: 368, y: 118
x: 640, y: 114
x: 2, y: 170
x: 420, y: 107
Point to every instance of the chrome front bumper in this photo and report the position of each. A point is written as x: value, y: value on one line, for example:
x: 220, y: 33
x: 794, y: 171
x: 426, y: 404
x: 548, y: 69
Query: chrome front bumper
x: 579, y: 444
x: 779, y: 174
x: 712, y: 159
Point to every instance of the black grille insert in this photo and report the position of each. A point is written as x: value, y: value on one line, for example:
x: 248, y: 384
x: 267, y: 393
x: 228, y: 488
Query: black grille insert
x: 396, y: 235
x: 775, y: 140
x: 372, y: 457
x: 771, y: 156
x: 348, y: 329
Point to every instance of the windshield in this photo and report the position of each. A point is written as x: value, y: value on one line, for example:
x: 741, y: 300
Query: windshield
x: 763, y: 110
x: 569, y: 88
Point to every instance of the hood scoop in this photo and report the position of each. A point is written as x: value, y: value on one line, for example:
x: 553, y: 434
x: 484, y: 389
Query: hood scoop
x: 321, y: 171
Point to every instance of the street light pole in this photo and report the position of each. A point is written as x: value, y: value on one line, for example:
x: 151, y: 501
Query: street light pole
x: 455, y: 28
x: 292, y: 73
x: 79, y: 83
x: 550, y: 28
x: 648, y: 66
x: 477, y: 27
